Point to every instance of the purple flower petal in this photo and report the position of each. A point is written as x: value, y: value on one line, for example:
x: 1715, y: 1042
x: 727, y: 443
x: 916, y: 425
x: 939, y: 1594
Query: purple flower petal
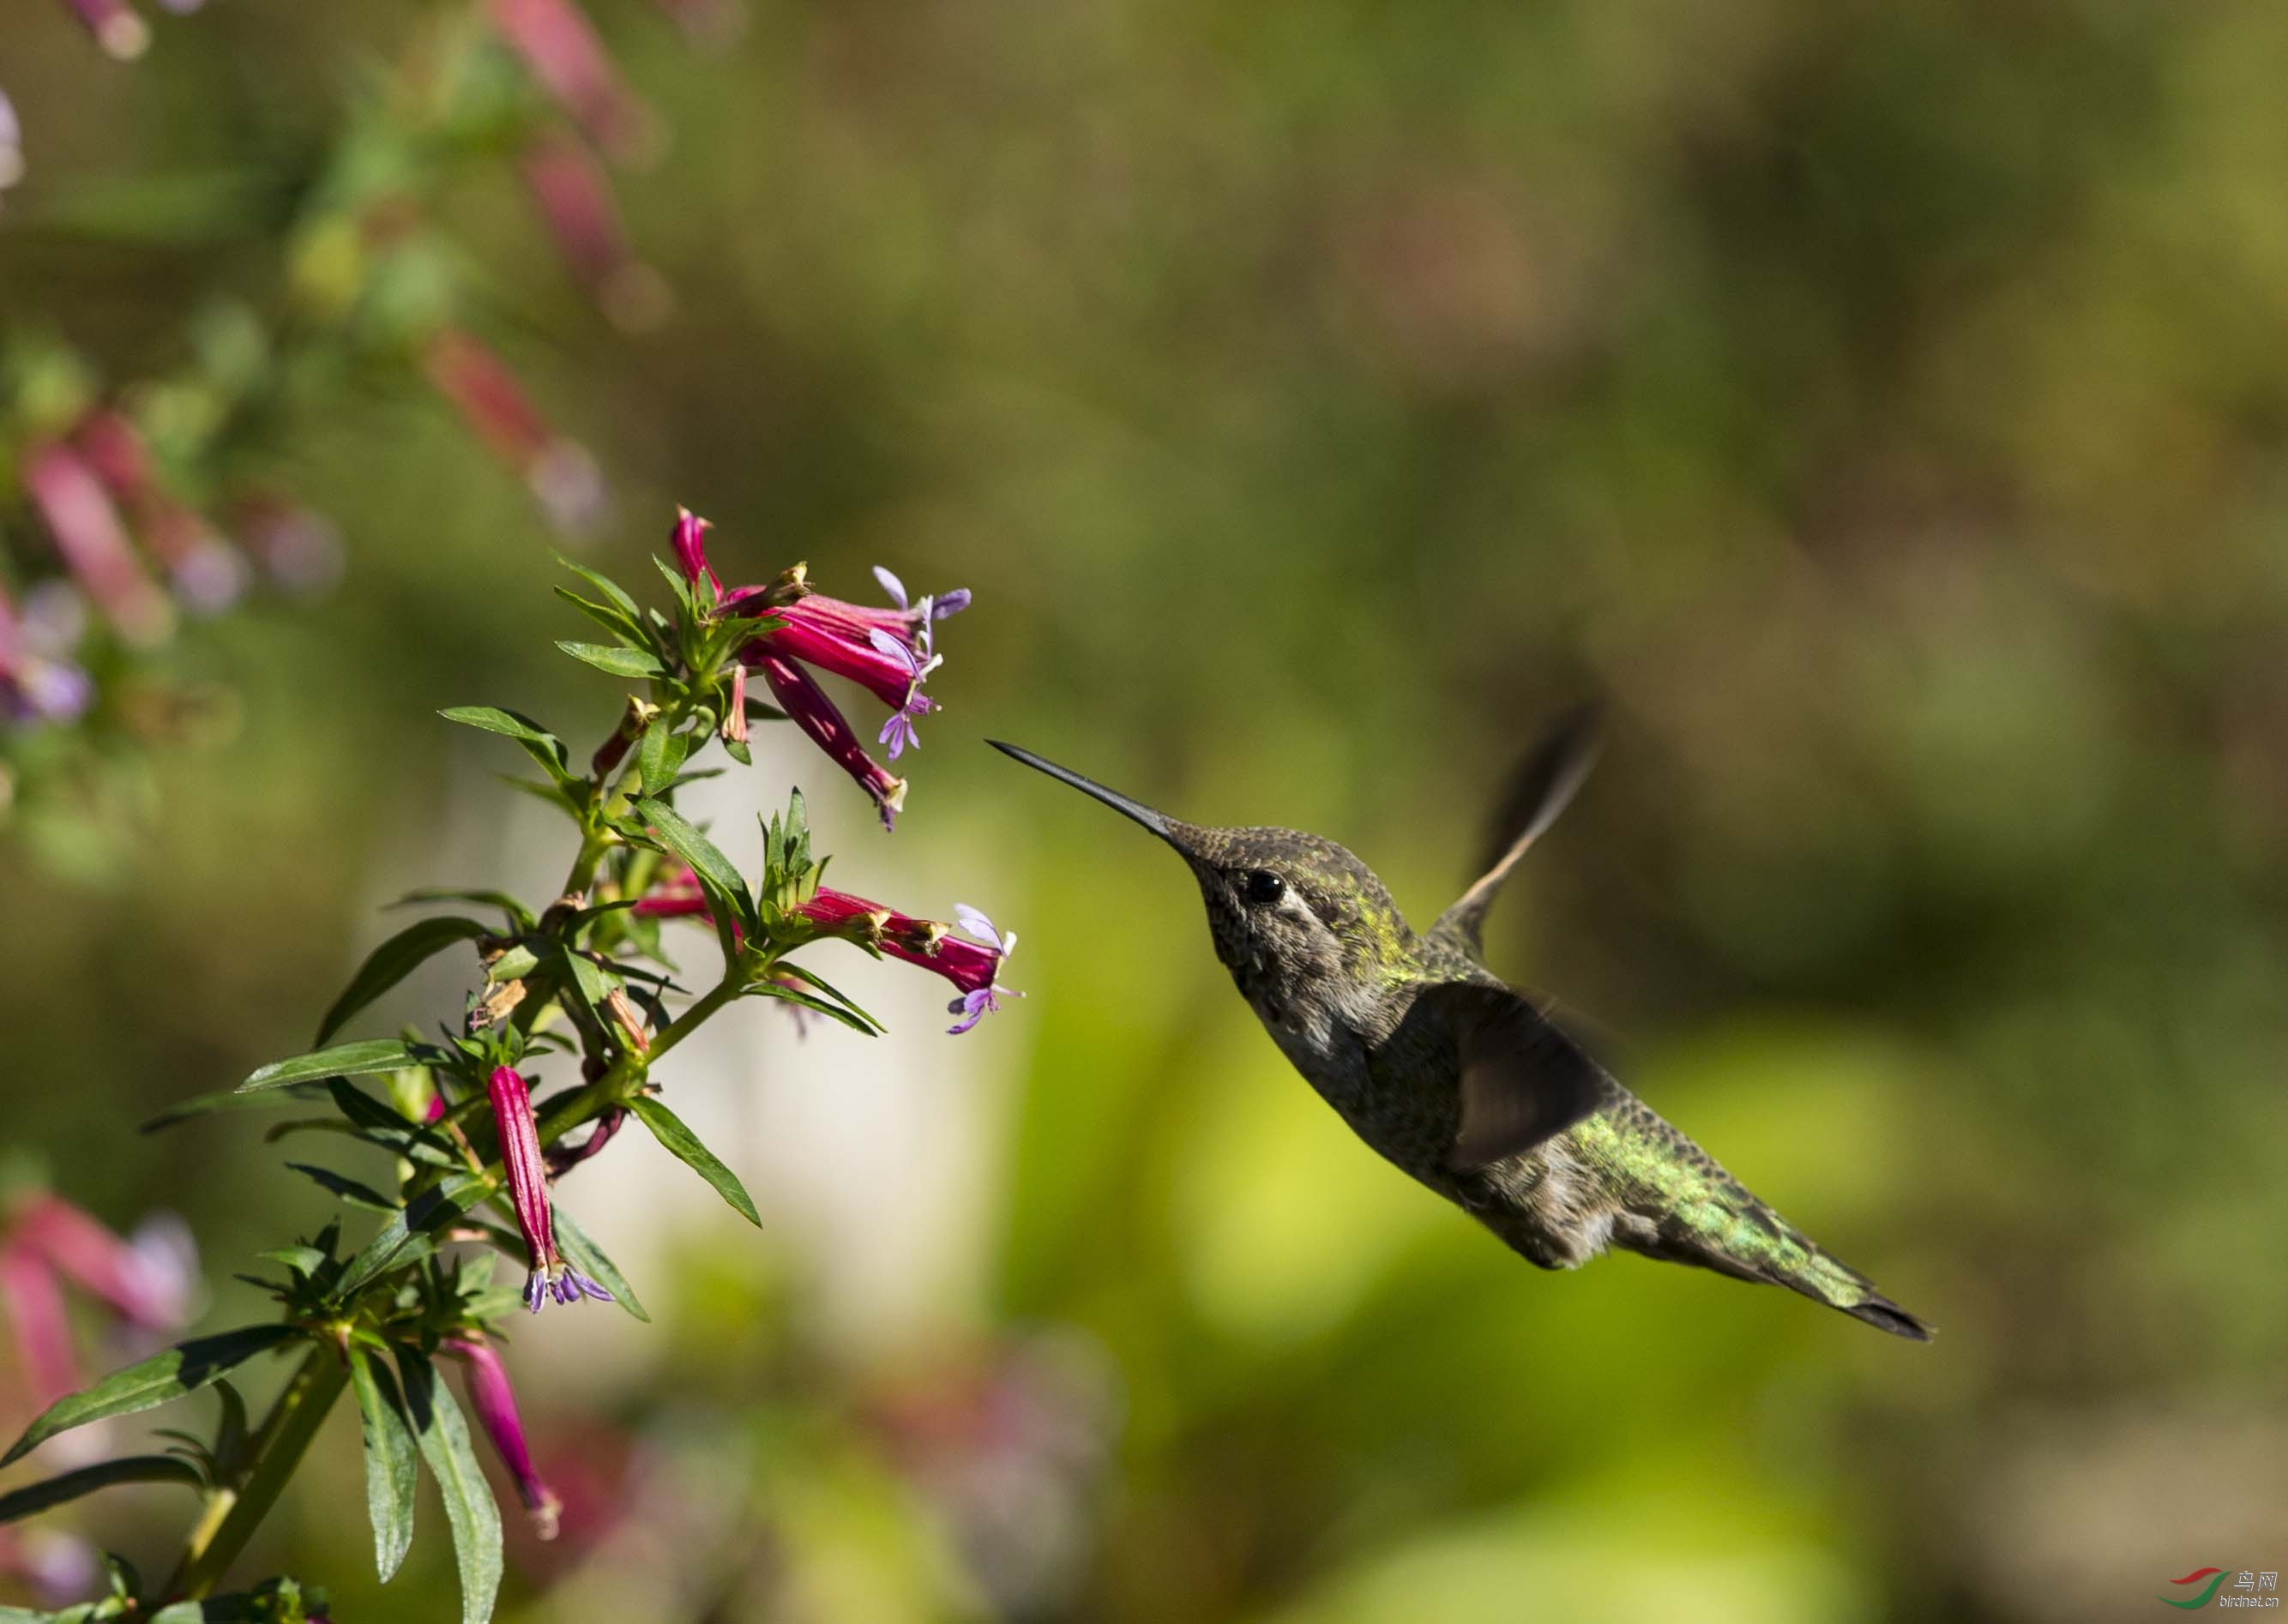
x: 976, y: 923
x: 949, y: 603
x: 892, y: 585
x: 885, y: 643
x: 536, y: 1291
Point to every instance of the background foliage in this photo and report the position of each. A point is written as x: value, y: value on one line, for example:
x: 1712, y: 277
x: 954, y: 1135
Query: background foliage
x: 1881, y: 405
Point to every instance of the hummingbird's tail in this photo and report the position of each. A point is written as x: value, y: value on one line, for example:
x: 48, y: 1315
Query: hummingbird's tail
x: 1756, y: 1244
x: 1826, y: 1279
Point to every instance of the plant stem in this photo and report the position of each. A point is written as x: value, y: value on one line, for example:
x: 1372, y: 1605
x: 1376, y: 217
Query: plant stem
x: 235, y: 1510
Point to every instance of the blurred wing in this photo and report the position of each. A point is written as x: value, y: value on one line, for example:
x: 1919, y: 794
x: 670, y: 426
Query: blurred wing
x: 1522, y: 1079
x: 1538, y: 792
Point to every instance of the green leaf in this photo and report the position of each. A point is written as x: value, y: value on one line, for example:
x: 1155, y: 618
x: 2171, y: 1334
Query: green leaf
x: 840, y: 1005
x: 183, y: 1368
x: 342, y: 1060
x: 695, y: 849
x: 542, y: 746
x: 612, y: 619
x: 230, y: 1100
x: 444, y: 1441
x: 589, y: 1258
x: 301, y: 1259
x: 380, y: 1124
x: 616, y: 659
x: 36, y: 1497
x: 847, y: 1015
x: 393, y: 1465
x: 611, y: 589
x: 668, y: 1128
x: 394, y: 960
x: 661, y: 753
x: 346, y: 1189
x: 428, y: 1210
x: 519, y: 916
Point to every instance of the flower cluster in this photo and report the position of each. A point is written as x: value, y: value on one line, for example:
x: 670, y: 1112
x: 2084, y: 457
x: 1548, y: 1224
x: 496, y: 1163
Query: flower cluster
x: 890, y: 652
x: 472, y: 1165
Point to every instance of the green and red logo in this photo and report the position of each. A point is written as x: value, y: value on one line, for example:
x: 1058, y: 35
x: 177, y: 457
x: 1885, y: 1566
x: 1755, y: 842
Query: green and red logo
x: 2215, y: 1577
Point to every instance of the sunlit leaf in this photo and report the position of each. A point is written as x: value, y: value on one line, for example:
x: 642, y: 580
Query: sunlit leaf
x: 668, y: 1128
x: 443, y: 1438
x: 395, y: 959
x: 392, y: 1468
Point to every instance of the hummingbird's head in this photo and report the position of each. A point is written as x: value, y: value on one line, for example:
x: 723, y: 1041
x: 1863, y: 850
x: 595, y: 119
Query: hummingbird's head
x: 1291, y: 912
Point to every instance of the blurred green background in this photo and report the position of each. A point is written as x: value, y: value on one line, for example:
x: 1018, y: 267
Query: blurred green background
x: 1883, y: 407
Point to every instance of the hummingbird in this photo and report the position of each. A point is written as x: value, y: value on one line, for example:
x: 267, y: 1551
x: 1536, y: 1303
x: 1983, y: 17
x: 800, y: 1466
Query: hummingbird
x: 1462, y: 1082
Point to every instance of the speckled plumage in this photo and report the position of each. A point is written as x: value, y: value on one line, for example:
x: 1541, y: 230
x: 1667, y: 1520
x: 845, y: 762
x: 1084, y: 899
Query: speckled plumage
x: 1366, y: 1010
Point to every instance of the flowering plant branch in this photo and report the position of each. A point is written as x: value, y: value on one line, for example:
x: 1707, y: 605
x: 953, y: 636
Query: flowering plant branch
x: 581, y: 984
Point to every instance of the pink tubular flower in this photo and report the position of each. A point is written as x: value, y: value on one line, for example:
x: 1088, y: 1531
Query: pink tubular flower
x: 889, y: 652
x: 528, y: 1191
x: 816, y: 715
x: 494, y: 1401
x: 482, y: 389
x: 576, y: 201
x: 735, y: 708
x: 88, y: 534
x: 690, y: 540
x: 972, y: 966
x: 561, y: 49
x: 117, y: 29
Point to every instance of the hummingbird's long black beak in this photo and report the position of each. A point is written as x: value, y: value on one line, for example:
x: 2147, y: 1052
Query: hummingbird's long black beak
x: 1113, y: 798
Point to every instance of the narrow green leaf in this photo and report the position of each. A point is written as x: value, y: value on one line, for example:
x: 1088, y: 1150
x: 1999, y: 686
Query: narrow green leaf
x: 342, y: 1060
x: 378, y: 1123
x: 610, y: 619
x: 614, y: 594
x: 430, y: 1209
x: 393, y: 1465
x: 36, y: 1497
x: 695, y: 849
x: 183, y: 1368
x: 542, y: 746
x: 301, y: 1259
x: 849, y: 1013
x: 469, y: 1507
x: 589, y: 1258
x: 668, y: 1128
x: 620, y: 662
x: 230, y: 1100
x: 857, y: 1020
x: 520, y: 916
x: 346, y: 1189
x: 394, y: 960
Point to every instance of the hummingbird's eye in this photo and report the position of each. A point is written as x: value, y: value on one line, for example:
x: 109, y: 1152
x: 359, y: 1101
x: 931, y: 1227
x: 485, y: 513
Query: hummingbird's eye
x: 1262, y: 887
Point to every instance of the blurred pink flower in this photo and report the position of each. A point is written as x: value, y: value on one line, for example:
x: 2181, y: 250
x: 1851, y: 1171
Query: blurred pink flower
x: 116, y: 27
x: 560, y: 47
x: 493, y: 403
x: 576, y: 203
x: 87, y: 531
